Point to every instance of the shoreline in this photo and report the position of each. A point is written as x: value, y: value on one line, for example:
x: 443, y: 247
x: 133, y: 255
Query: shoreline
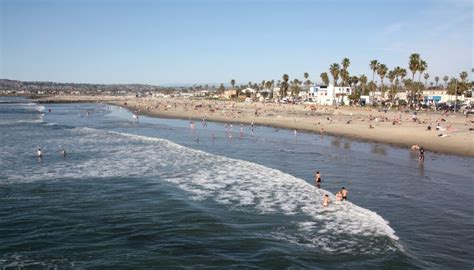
x: 348, y: 122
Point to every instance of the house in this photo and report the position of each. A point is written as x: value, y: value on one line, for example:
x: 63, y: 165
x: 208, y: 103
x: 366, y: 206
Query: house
x: 437, y: 95
x: 228, y: 94
x: 248, y: 92
x: 329, y: 94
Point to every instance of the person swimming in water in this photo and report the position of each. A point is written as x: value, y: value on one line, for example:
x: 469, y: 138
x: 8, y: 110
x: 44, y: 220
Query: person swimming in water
x: 63, y: 152
x: 339, y: 196
x: 421, y: 157
x: 39, y: 153
x: 317, y: 178
x: 344, y: 193
x: 326, y: 200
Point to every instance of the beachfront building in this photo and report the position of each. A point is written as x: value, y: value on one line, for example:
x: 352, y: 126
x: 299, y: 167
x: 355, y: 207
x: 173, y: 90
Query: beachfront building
x: 433, y: 96
x: 248, y: 92
x: 329, y: 94
x: 228, y: 94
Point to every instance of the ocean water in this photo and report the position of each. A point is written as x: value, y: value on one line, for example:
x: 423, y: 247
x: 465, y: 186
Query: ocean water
x: 159, y: 194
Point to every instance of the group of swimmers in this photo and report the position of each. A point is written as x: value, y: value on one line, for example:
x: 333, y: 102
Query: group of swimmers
x: 39, y: 153
x: 341, y: 195
x: 421, y: 152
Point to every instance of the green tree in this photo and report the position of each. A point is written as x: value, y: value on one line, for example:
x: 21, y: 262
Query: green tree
x: 353, y: 81
x: 413, y: 65
x: 373, y: 66
x: 221, y: 88
x: 295, y: 88
x: 463, y: 75
x: 445, y: 79
x: 232, y: 82
x: 334, y: 70
x: 345, y: 74
x: 382, y: 71
x: 422, y: 66
x: 325, y: 78
x: 306, y: 80
x: 426, y: 77
x: 284, y: 85
x: 436, y: 80
x: 363, y: 83
x: 391, y: 77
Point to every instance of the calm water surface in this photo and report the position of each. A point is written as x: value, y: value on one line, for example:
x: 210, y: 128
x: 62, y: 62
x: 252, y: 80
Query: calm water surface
x: 158, y: 194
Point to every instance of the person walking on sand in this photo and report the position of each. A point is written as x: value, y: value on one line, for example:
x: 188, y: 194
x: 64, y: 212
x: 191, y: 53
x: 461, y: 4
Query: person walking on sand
x: 344, y: 193
x: 326, y: 200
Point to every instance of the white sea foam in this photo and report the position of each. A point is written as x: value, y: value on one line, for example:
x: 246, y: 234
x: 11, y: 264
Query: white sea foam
x: 342, y: 227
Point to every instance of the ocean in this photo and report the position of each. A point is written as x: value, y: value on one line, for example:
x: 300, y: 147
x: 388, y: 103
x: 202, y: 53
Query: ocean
x: 156, y: 193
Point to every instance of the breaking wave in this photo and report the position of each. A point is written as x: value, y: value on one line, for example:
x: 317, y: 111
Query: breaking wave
x: 342, y: 227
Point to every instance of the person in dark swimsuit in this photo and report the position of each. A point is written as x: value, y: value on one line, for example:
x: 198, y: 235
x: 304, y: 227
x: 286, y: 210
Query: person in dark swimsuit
x: 421, y: 157
x: 344, y: 192
x: 318, y: 178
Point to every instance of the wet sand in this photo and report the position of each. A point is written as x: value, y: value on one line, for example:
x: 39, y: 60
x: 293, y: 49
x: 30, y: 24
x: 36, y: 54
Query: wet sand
x: 390, y: 127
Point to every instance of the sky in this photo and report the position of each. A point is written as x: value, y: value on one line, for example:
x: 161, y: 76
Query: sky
x: 210, y: 41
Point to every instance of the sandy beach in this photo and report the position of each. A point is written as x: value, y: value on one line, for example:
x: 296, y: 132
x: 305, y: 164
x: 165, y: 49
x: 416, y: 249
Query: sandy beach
x: 362, y: 123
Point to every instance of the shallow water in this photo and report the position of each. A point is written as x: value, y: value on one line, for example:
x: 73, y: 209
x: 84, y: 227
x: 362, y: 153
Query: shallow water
x: 156, y: 193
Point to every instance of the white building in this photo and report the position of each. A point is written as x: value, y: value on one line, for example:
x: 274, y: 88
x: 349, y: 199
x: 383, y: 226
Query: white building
x: 329, y: 94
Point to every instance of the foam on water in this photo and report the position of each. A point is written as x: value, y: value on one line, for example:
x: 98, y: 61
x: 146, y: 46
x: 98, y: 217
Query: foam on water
x: 240, y: 185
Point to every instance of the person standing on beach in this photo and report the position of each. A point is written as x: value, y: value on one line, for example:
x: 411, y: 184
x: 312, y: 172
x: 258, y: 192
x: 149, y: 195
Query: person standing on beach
x: 344, y: 193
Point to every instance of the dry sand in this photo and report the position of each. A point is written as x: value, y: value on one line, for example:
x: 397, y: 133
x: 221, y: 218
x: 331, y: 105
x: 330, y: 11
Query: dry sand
x: 358, y: 123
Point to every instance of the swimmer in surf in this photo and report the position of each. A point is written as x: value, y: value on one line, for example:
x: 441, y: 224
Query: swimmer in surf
x: 317, y: 178
x: 39, y: 153
x: 421, y: 157
x: 344, y: 193
x: 326, y: 200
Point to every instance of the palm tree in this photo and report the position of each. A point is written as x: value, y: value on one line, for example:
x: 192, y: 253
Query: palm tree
x: 445, y: 79
x: 306, y: 81
x: 382, y: 71
x: 353, y: 81
x: 284, y: 85
x: 325, y: 78
x: 463, y: 75
x: 414, y: 65
x: 232, y: 82
x: 422, y: 66
x: 373, y: 66
x: 426, y: 77
x: 345, y: 75
x: 221, y: 88
x: 334, y: 70
x: 295, y: 88
x: 436, y: 80
x: 391, y: 77
x: 403, y: 74
x: 268, y: 84
x: 363, y: 82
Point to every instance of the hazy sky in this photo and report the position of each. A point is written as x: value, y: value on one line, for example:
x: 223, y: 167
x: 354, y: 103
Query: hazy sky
x: 162, y: 42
